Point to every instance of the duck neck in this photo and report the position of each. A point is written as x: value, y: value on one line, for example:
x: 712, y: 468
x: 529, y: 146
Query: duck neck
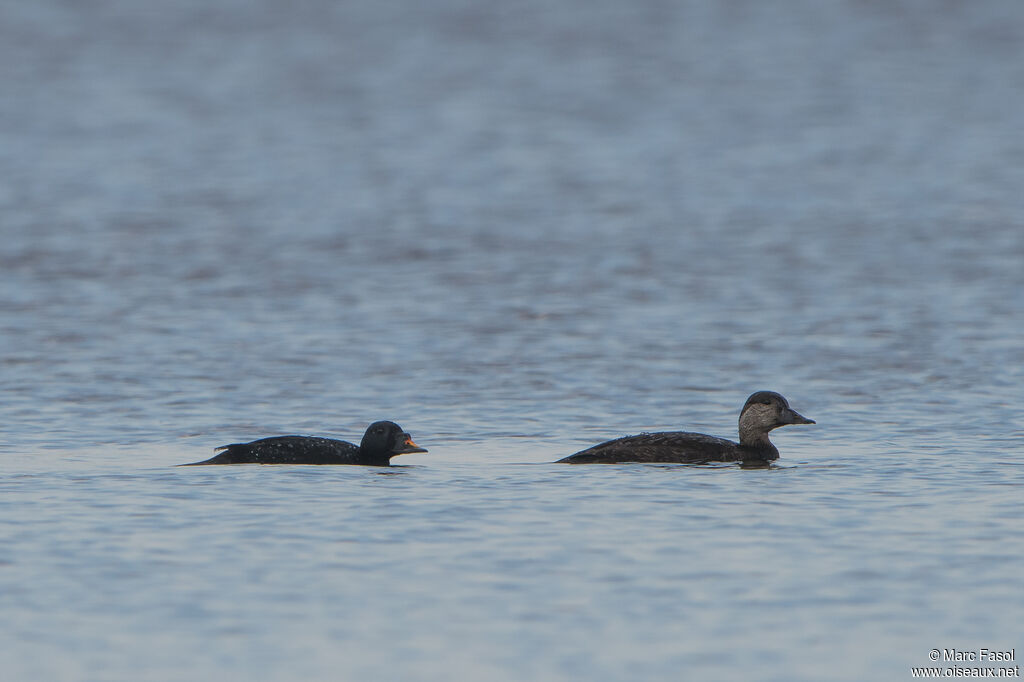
x: 755, y: 439
x: 376, y: 459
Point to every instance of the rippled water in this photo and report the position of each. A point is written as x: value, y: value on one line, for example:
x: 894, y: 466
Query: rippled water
x: 517, y: 230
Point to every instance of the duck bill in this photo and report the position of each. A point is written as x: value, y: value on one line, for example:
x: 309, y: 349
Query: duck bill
x: 408, y: 446
x: 795, y: 417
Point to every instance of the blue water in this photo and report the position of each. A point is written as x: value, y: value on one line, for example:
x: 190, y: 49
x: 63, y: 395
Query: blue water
x: 517, y: 229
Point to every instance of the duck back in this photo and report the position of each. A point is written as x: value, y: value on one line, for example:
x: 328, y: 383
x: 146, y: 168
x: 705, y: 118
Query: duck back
x: 671, y: 446
x: 288, y: 450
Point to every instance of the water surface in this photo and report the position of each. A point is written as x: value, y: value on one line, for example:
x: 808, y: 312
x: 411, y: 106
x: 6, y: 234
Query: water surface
x: 517, y: 230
